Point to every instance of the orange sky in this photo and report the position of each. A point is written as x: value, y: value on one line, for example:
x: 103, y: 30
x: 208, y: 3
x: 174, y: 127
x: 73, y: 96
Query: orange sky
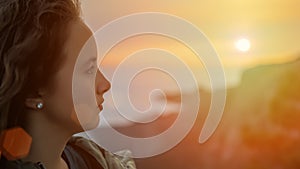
x: 271, y: 26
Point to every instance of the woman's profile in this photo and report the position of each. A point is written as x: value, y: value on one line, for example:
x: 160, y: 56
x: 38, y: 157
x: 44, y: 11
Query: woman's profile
x: 40, y: 41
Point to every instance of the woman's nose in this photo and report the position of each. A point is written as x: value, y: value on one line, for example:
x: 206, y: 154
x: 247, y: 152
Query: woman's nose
x: 102, y: 84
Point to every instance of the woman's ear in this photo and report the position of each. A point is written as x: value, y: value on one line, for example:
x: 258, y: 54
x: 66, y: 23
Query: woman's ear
x: 35, y: 102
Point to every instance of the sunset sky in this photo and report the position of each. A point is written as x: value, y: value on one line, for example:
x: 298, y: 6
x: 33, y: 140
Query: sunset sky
x: 272, y: 27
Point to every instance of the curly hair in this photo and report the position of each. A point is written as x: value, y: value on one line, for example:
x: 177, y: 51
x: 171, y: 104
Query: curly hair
x: 32, y: 35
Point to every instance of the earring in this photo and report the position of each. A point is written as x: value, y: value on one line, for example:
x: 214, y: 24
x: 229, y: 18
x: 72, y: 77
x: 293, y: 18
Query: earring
x: 40, y: 105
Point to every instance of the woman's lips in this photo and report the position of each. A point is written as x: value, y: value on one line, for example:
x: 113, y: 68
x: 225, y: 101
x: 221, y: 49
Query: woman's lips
x: 100, y: 102
x: 100, y: 107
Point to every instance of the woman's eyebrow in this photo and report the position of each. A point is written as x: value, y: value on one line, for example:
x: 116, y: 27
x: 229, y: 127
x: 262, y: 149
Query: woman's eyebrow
x: 86, y: 63
x: 93, y: 59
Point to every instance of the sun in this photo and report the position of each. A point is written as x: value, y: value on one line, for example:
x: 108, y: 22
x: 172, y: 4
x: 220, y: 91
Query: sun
x: 243, y: 45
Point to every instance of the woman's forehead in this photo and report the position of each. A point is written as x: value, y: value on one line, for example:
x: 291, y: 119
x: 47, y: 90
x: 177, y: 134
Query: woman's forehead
x: 80, y: 41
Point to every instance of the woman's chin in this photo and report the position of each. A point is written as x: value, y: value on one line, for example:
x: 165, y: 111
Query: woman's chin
x: 91, y: 124
x: 86, y: 118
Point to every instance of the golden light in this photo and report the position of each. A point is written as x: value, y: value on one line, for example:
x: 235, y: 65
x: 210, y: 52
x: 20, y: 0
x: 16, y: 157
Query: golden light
x: 243, y: 45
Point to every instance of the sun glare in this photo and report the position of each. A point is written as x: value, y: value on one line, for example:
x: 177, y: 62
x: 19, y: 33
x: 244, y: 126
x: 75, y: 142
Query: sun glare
x: 243, y: 45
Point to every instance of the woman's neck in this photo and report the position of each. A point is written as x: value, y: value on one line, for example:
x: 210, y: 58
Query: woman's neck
x: 48, y: 143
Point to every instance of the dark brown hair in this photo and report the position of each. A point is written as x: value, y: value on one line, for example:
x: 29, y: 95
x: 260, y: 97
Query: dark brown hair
x: 32, y: 35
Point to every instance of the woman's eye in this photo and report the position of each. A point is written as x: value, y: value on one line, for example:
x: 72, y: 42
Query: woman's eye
x: 92, y: 69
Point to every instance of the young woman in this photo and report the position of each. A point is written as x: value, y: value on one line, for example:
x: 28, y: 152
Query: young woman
x: 40, y: 41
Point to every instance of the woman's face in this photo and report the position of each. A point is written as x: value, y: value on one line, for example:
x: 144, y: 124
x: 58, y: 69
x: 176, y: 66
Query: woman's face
x: 74, y: 98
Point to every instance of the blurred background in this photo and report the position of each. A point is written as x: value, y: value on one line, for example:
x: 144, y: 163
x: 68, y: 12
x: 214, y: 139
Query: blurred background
x: 258, y: 45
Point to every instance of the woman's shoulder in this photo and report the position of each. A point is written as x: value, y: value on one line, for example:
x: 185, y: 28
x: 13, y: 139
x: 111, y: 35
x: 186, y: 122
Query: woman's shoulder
x: 91, y: 153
